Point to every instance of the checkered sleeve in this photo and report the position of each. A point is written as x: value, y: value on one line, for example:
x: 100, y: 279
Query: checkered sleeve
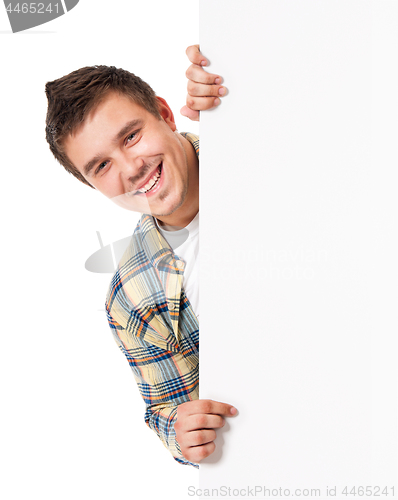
x: 164, y: 380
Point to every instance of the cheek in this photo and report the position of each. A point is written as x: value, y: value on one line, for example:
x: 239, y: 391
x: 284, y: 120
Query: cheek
x: 110, y: 185
x: 178, y: 159
x: 152, y: 144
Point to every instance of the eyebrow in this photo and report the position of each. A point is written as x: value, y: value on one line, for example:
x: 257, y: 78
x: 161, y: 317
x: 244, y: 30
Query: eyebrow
x: 122, y: 132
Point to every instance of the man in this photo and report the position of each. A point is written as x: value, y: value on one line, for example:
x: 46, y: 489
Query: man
x: 109, y: 129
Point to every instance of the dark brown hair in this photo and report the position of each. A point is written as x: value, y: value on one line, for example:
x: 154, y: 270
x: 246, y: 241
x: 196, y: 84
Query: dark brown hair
x: 72, y: 97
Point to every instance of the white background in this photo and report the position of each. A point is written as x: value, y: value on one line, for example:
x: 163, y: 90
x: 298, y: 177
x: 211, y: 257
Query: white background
x: 298, y: 243
x: 72, y: 421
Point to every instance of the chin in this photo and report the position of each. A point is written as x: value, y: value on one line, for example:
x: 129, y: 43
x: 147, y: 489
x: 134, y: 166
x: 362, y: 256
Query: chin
x: 166, y: 209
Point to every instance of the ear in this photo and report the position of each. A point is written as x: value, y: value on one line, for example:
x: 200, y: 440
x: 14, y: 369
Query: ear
x: 166, y: 113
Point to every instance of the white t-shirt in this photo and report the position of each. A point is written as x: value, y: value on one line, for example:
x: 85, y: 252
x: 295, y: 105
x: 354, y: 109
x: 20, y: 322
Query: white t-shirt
x: 185, y: 243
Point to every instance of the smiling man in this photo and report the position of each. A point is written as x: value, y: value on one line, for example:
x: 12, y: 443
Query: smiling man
x: 134, y: 156
x: 109, y: 129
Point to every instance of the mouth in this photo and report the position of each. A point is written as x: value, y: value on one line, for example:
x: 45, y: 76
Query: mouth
x: 152, y: 184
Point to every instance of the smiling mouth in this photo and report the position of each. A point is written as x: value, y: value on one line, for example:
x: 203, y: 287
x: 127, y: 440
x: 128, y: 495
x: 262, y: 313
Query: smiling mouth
x: 152, y: 182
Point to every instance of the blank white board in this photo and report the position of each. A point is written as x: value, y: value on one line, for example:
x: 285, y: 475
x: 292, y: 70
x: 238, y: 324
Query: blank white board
x: 299, y: 244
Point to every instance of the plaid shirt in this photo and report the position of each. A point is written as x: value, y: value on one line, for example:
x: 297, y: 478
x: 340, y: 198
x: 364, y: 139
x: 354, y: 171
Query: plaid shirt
x: 154, y: 325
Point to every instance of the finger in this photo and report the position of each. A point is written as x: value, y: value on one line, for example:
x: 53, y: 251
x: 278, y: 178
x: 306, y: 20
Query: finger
x: 202, y: 103
x: 190, y: 423
x: 204, y: 421
x: 198, y: 438
x: 201, y: 406
x: 190, y: 113
x: 197, y: 453
x: 201, y: 90
x: 199, y: 75
x: 195, y: 56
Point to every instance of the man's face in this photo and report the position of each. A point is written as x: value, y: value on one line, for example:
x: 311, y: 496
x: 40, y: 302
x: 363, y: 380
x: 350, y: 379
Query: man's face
x: 131, y: 156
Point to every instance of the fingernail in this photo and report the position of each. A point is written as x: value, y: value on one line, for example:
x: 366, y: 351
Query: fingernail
x: 216, y: 101
x: 233, y: 411
x: 221, y: 90
x: 203, y: 62
x: 217, y: 81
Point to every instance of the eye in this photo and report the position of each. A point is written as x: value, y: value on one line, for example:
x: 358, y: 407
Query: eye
x: 131, y: 137
x: 101, y: 167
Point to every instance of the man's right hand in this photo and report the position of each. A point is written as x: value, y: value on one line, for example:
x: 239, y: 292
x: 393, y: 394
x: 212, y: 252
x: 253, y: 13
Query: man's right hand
x: 196, y: 424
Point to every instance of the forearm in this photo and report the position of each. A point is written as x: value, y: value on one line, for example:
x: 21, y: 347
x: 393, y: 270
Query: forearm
x: 165, y: 380
x: 162, y: 399
x: 161, y: 421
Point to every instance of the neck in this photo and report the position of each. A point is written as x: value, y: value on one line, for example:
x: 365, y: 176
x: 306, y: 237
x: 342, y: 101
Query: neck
x: 190, y: 206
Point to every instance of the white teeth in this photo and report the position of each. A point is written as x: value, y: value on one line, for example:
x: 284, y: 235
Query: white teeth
x: 152, y: 181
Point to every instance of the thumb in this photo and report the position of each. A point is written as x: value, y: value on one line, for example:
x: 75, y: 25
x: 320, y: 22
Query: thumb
x: 190, y: 113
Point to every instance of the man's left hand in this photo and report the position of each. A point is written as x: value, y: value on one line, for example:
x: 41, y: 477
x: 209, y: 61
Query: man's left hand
x: 204, y: 89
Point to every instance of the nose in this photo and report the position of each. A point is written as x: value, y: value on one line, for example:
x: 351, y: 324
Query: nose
x: 131, y: 170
